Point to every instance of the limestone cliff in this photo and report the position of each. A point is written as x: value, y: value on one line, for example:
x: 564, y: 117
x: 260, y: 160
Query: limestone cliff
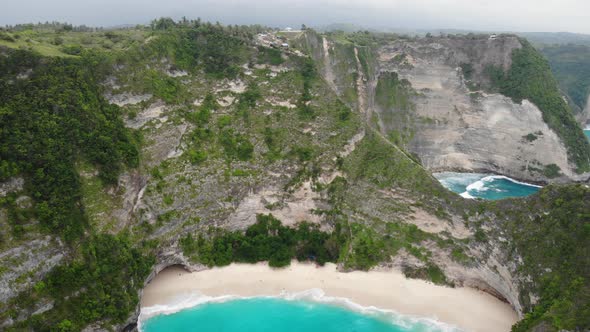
x: 446, y: 116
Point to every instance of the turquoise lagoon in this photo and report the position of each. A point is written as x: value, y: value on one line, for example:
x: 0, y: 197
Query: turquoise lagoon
x: 485, y: 186
x: 273, y: 314
x: 587, y: 132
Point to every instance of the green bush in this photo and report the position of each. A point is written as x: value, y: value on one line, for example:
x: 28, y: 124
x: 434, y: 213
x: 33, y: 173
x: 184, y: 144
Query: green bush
x: 266, y: 240
x: 164, y: 87
x: 218, y: 50
x: 467, y: 69
x: 236, y: 146
x: 7, y: 37
x: 197, y: 156
x: 571, y: 66
x: 551, y: 171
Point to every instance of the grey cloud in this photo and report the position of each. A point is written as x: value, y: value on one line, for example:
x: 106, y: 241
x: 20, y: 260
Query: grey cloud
x: 500, y: 15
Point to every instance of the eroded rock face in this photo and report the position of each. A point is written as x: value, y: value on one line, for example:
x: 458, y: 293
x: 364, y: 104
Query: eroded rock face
x: 154, y: 112
x: 459, y: 129
x: 494, y: 274
x: 489, y: 135
x: 128, y: 99
x: 291, y: 209
x: 27, y: 263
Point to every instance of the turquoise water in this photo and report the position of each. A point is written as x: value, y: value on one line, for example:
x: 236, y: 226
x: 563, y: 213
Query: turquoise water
x: 587, y: 132
x: 485, y: 186
x: 275, y: 314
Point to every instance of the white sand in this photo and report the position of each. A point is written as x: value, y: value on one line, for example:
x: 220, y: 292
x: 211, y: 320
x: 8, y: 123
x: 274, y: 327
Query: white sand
x: 466, y: 308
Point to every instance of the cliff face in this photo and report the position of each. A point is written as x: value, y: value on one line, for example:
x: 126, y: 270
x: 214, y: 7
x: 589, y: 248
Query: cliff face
x: 456, y: 128
x: 448, y: 121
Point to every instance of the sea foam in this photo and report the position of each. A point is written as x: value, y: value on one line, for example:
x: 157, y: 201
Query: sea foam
x: 474, y: 185
x: 480, y: 185
x: 312, y: 295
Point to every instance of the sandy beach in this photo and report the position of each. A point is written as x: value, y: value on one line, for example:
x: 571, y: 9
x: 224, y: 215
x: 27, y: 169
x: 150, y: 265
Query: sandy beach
x: 468, y: 309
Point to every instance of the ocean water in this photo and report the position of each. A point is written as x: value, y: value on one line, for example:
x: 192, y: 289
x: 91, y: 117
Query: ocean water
x: 273, y: 314
x: 587, y: 132
x: 485, y: 186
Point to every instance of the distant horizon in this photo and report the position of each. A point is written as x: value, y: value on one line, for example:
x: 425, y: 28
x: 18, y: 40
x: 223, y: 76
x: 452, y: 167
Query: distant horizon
x: 499, y: 15
x: 360, y: 27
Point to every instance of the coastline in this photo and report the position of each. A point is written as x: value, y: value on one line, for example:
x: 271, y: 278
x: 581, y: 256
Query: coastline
x: 486, y: 171
x: 468, y: 309
x: 475, y: 185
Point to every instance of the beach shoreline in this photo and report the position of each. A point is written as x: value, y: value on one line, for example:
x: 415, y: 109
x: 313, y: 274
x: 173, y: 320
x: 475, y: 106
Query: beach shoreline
x: 468, y: 309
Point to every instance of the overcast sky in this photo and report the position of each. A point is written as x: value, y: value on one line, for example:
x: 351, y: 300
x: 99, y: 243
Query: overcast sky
x: 497, y: 15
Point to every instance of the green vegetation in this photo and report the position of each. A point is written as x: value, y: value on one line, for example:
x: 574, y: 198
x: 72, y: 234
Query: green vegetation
x: 468, y: 71
x: 570, y: 65
x: 308, y: 73
x: 266, y: 240
x: 236, y: 146
x: 530, y: 137
x: 555, y: 249
x: 551, y: 171
x: 63, y: 40
x: 392, y: 92
x: 193, y: 45
x: 17, y: 217
x: 530, y: 78
x: 429, y: 272
x: 357, y: 246
x: 52, y: 118
x: 269, y: 55
x: 164, y: 87
x: 362, y: 38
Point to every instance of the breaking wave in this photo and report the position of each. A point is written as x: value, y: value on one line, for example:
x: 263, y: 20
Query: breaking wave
x: 476, y: 185
x: 316, y: 295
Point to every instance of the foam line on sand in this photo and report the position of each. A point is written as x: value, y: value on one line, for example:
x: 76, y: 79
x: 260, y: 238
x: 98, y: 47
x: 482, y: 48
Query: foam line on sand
x: 468, y: 309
